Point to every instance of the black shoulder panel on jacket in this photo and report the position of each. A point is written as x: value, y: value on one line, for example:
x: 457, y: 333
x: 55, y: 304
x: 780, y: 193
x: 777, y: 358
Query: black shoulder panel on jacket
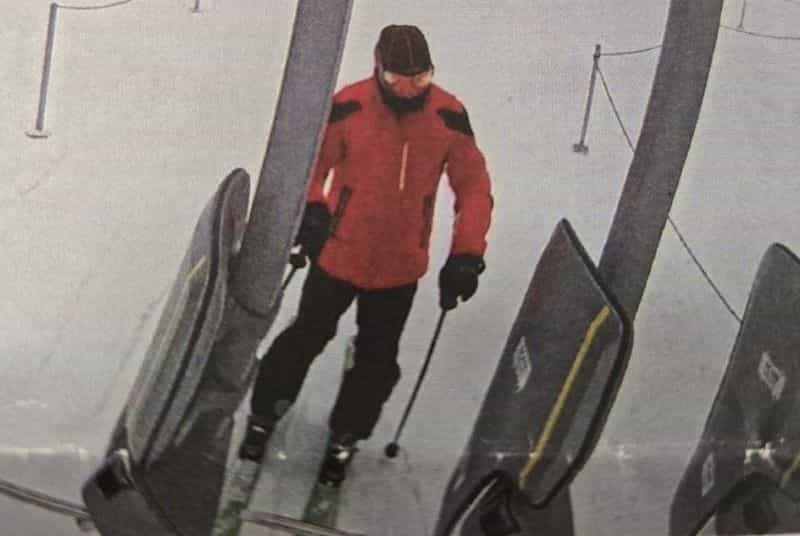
x: 458, y: 121
x: 340, y: 110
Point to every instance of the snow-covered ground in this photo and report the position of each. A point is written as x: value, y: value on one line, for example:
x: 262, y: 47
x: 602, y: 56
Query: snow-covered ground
x: 151, y: 105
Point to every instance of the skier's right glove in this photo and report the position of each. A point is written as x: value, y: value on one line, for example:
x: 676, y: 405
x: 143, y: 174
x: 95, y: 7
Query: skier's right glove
x: 314, y: 229
x: 459, y: 279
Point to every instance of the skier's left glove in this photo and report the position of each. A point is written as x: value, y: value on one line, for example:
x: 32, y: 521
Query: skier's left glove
x: 314, y: 229
x: 459, y: 279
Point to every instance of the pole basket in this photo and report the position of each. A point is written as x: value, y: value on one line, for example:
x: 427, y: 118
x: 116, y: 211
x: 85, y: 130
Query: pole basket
x: 36, y: 133
x: 580, y: 148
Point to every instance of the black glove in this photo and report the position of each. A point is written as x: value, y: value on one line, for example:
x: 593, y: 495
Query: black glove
x: 459, y: 279
x: 314, y: 229
x: 298, y: 259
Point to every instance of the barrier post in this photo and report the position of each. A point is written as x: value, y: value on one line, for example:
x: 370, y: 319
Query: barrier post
x: 741, y: 19
x: 581, y: 147
x: 39, y: 130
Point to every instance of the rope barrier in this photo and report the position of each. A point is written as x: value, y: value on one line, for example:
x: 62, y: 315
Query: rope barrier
x: 39, y: 131
x: 581, y: 147
x: 672, y: 223
x: 762, y: 35
x: 614, y: 107
x: 93, y: 8
x: 630, y: 52
x: 703, y: 271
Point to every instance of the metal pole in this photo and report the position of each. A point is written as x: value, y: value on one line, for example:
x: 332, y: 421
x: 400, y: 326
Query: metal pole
x: 741, y: 20
x: 581, y: 147
x: 300, y: 118
x: 661, y: 151
x: 39, y: 131
x: 196, y: 8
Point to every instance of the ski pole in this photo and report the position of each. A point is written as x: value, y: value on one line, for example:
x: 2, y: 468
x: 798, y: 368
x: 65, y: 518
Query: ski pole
x: 393, y: 447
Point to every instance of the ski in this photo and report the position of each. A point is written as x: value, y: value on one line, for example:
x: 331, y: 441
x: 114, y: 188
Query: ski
x: 231, y: 520
x: 322, y: 507
x: 321, y: 510
x: 48, y: 502
x: 299, y: 528
x: 237, y: 498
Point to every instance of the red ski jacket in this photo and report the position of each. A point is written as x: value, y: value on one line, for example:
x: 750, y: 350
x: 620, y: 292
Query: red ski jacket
x: 378, y: 173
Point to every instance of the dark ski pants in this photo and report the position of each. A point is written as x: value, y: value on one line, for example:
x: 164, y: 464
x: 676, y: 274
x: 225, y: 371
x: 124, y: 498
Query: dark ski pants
x: 381, y: 316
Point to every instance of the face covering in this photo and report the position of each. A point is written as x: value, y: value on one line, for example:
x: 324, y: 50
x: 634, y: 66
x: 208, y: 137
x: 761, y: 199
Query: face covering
x: 403, y: 93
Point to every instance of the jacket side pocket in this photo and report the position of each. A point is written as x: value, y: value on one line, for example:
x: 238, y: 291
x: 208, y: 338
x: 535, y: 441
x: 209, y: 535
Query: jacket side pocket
x: 427, y: 221
x: 341, y: 205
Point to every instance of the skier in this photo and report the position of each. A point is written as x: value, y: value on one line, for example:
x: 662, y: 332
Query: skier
x: 366, y: 229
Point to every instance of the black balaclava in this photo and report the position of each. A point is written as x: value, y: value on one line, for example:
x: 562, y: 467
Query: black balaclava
x: 402, y: 49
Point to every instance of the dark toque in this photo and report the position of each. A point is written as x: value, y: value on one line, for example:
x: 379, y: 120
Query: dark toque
x: 403, y: 49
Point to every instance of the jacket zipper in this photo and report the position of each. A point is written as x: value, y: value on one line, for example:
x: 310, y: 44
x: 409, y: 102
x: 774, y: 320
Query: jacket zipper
x: 402, y: 182
x: 328, y: 183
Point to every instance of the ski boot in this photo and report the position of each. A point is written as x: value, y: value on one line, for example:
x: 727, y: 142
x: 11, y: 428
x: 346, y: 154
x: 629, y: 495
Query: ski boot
x: 338, y: 456
x: 322, y: 507
x: 253, y: 447
x: 243, y: 478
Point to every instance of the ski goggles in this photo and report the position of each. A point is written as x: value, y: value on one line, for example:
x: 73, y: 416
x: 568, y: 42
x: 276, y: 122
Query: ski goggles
x: 417, y: 81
